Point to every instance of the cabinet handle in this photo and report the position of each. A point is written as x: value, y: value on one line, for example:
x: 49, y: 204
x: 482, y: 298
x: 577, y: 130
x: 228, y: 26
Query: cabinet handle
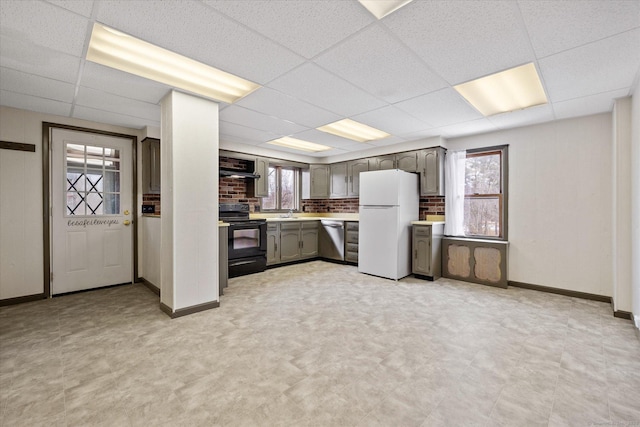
x: 275, y: 247
x: 415, y: 253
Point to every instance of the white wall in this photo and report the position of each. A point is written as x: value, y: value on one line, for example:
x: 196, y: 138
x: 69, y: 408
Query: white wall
x: 21, y: 211
x: 559, y: 218
x: 635, y: 202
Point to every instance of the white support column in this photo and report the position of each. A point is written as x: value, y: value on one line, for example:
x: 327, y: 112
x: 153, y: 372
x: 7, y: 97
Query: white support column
x: 189, y: 248
x: 621, y: 191
x: 635, y: 203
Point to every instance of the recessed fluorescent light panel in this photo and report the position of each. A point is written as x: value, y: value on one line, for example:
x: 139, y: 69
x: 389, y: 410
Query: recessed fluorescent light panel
x: 126, y: 53
x: 298, y: 144
x: 509, y: 90
x: 356, y: 131
x: 381, y: 8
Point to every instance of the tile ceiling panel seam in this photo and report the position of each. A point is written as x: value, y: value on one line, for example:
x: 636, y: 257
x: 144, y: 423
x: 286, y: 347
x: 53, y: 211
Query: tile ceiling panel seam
x: 589, y: 43
x: 85, y: 47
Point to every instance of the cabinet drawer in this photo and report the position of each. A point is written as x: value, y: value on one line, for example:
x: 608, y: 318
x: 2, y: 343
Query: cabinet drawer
x: 351, y: 256
x: 272, y: 226
x: 352, y: 226
x: 422, y: 230
x: 309, y: 225
x: 289, y: 226
x: 351, y: 247
x: 352, y: 237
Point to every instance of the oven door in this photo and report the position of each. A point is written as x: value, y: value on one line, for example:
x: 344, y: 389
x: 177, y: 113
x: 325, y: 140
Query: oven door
x: 247, y: 239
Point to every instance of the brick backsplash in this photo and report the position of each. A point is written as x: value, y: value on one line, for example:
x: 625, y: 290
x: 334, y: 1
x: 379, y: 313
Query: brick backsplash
x: 428, y: 206
x: 152, y: 199
x: 235, y: 190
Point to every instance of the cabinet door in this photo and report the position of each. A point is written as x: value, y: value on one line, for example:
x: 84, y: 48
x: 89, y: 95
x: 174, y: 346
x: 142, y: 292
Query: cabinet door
x: 387, y: 162
x: 407, y: 162
x: 354, y: 169
x: 338, y: 180
x: 373, y: 163
x: 422, y: 250
x: 289, y: 242
x: 273, y: 247
x: 319, y: 177
x: 261, y: 185
x: 151, y: 166
x: 309, y: 245
x: 432, y: 172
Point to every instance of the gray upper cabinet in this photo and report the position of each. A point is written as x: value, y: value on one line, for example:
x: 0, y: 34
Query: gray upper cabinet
x: 338, y: 180
x: 431, y: 168
x: 407, y: 162
x: 151, y: 166
x: 319, y: 181
x: 382, y: 162
x: 354, y: 168
x: 261, y: 185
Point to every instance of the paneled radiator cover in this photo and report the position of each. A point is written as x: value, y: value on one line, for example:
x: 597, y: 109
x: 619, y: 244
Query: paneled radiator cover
x: 474, y: 260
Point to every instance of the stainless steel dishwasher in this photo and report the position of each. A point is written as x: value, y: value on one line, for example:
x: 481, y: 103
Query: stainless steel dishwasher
x: 332, y: 239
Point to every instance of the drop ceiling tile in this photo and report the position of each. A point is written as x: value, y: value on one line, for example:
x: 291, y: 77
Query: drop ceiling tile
x: 81, y: 7
x: 555, y: 26
x: 377, y: 62
x: 603, y: 66
x: 33, y: 103
x: 245, y: 134
x: 42, y: 87
x: 117, y: 82
x: 318, y: 137
x: 245, y: 117
x: 274, y: 103
x: 594, y: 104
x: 440, y: 108
x: 22, y: 55
x: 392, y: 120
x: 117, y: 119
x: 332, y: 152
x: 199, y: 32
x: 107, y: 102
x: 45, y: 25
x: 392, y: 140
x: 463, y: 40
x: 467, y: 128
x: 306, y: 27
x: 314, y: 85
x: 528, y: 116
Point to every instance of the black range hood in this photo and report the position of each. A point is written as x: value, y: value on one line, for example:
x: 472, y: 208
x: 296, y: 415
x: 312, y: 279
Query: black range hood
x: 232, y: 173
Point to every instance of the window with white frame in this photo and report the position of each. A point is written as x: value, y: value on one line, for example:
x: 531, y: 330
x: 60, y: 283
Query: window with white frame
x: 485, y: 196
x: 284, y: 185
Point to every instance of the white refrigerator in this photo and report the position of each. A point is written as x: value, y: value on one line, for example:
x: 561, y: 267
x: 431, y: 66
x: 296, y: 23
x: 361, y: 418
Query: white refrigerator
x: 389, y: 201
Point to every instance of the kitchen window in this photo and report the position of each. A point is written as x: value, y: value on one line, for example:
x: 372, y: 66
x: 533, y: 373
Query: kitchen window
x: 485, y: 201
x: 284, y: 189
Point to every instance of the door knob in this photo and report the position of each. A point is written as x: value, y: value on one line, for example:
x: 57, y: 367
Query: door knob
x: 126, y: 222
x: 126, y: 212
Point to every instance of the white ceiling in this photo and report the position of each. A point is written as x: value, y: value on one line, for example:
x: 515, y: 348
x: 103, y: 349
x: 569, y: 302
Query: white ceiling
x: 322, y: 60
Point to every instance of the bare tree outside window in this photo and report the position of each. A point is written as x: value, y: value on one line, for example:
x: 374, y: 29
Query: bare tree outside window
x: 283, y: 189
x: 483, y: 194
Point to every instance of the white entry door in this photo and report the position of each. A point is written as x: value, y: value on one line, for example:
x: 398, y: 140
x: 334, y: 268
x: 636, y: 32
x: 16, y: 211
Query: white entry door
x: 92, y: 205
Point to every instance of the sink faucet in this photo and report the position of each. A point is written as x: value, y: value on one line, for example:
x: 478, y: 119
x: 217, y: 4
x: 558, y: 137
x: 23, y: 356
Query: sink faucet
x: 290, y: 213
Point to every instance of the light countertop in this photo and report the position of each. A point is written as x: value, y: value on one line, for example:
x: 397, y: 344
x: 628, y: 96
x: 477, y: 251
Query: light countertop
x: 309, y: 218
x: 426, y: 222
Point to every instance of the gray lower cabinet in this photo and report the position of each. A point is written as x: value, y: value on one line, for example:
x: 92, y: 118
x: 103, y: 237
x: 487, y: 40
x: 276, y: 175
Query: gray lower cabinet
x: 309, y: 239
x: 223, y: 260
x: 427, y: 242
x: 273, y: 243
x: 291, y: 241
x: 351, y: 241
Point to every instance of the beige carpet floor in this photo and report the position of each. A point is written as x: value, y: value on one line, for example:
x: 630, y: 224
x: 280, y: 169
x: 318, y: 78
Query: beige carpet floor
x: 318, y: 344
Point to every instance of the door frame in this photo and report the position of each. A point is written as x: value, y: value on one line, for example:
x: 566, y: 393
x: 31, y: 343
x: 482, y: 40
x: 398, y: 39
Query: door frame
x: 47, y: 128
